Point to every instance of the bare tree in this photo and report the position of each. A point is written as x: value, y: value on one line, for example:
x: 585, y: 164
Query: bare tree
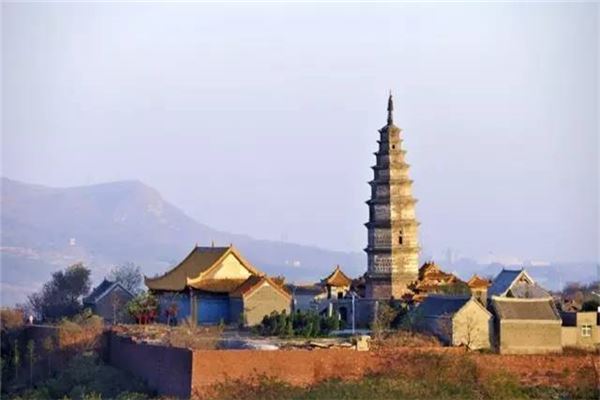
x: 129, y: 275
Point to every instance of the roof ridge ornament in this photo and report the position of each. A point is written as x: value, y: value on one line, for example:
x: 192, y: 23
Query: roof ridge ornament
x: 390, y: 109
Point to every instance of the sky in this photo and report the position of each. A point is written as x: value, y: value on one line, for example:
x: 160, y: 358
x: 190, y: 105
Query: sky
x: 262, y: 118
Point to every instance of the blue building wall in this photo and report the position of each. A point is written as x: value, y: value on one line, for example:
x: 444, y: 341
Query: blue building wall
x: 212, y: 309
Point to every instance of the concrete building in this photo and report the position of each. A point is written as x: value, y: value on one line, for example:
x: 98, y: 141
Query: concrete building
x: 217, y: 284
x: 581, y: 329
x: 456, y: 320
x: 393, y: 248
x: 526, y: 325
x: 109, y: 300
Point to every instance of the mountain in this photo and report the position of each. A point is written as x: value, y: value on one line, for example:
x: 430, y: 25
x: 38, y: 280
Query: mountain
x: 45, y: 229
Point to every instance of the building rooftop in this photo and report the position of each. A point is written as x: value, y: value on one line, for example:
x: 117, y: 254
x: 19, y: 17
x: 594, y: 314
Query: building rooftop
x: 525, y: 309
x: 198, y: 261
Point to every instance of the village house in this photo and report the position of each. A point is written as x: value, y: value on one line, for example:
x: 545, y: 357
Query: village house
x: 456, y: 320
x: 307, y: 297
x: 217, y: 284
x: 526, y: 326
x: 108, y: 300
x: 580, y: 329
x: 516, y: 283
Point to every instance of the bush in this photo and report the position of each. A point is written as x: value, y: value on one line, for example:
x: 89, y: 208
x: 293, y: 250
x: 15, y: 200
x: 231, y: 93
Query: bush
x: 305, y: 324
x: 143, y: 308
x: 11, y: 318
x: 87, y: 378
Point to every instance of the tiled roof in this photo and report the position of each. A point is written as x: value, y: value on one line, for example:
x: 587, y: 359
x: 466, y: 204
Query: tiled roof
x: 502, y: 282
x: 200, y: 260
x: 337, y: 278
x: 254, y: 282
x: 218, y: 285
x: 99, y: 291
x: 478, y: 282
x: 306, y: 289
x: 525, y: 309
x: 510, y: 281
x: 438, y: 305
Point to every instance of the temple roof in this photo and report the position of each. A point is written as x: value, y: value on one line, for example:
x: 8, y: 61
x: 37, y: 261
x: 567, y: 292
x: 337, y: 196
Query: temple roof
x: 254, y: 282
x: 198, y: 261
x: 337, y: 278
x: 478, y: 282
x: 218, y: 285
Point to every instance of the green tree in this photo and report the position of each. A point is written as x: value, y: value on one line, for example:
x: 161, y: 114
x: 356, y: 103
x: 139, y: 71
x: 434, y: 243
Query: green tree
x: 143, y: 308
x: 61, y: 296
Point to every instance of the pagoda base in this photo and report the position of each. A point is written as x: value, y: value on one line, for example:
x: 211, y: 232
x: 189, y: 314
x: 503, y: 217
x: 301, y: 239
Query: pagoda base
x: 382, y: 288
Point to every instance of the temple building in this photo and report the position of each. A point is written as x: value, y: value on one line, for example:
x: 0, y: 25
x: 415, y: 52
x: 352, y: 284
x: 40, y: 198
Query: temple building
x: 216, y: 284
x: 432, y: 279
x: 393, y: 248
x: 337, y: 283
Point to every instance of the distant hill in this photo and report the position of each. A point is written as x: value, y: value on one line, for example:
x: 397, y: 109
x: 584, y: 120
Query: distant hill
x: 45, y: 229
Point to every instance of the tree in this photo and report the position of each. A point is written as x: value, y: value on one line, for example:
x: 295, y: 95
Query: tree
x: 385, y: 314
x: 590, y: 305
x: 48, y: 346
x: 31, y: 358
x: 61, y: 296
x: 129, y: 275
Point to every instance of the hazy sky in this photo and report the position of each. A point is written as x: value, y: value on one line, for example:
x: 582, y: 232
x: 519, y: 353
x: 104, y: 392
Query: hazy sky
x: 262, y: 119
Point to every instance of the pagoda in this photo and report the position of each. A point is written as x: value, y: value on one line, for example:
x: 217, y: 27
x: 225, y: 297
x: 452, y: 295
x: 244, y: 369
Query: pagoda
x: 393, y: 248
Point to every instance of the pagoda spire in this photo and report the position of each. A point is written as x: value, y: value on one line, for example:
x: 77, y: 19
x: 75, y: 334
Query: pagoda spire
x: 390, y: 109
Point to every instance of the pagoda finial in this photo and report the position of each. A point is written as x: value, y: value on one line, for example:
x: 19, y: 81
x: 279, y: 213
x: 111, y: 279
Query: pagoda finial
x: 390, y: 109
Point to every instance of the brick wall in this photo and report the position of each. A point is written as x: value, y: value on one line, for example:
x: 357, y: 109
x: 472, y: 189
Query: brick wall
x: 297, y: 367
x: 167, y: 370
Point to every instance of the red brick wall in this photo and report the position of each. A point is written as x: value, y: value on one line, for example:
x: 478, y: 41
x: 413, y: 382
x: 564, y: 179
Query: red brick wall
x: 298, y: 367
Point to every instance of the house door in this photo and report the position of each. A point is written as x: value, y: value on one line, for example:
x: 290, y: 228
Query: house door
x: 213, y: 310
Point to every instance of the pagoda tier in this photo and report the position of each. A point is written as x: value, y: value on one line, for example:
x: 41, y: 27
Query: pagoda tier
x: 393, y: 248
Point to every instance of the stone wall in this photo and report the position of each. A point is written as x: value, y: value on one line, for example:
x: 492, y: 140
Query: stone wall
x: 167, y: 370
x: 535, y: 337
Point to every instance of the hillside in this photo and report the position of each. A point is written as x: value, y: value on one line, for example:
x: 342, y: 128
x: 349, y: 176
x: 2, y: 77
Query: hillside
x: 44, y: 229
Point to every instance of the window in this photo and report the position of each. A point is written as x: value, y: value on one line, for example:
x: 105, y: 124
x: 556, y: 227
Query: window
x: 586, y: 330
x: 400, y: 237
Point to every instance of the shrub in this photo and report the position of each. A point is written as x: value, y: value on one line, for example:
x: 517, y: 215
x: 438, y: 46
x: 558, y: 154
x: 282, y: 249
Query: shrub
x: 305, y: 324
x: 143, y: 308
x: 11, y: 318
